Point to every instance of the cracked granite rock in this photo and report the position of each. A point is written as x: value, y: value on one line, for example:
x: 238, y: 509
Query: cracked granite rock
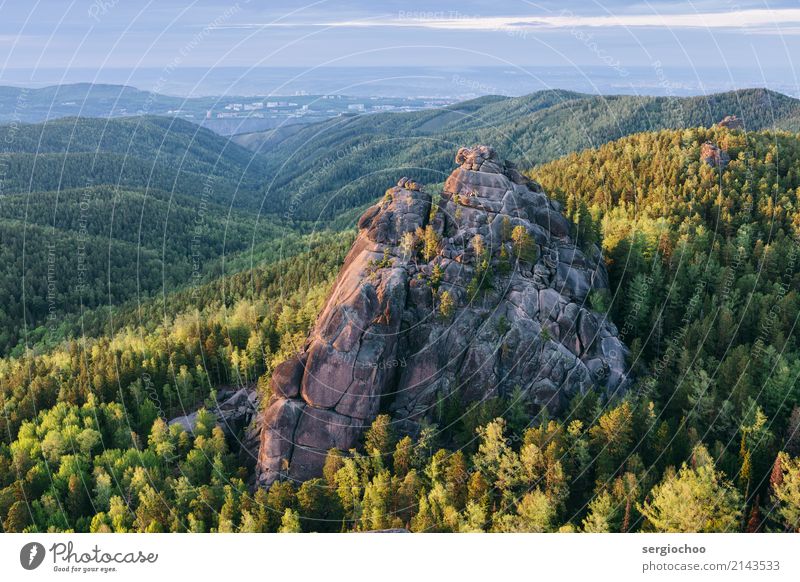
x: 381, y: 344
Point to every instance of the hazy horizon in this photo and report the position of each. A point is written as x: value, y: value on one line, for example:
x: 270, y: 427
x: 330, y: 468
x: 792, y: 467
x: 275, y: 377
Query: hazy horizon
x: 657, y: 47
x: 440, y: 82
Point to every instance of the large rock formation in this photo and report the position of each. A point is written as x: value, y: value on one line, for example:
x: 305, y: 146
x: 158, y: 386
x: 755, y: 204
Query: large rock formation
x: 482, y: 296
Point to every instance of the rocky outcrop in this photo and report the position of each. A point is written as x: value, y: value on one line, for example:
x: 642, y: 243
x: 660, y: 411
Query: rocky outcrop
x: 479, y: 297
x: 236, y: 412
x: 731, y: 122
x: 713, y: 155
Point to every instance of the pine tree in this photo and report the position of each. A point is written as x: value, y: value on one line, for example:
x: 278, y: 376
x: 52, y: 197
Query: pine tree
x: 754, y: 521
x: 280, y: 499
x: 696, y: 500
x: 786, y: 492
x: 379, y: 438
x: 436, y: 277
x: 447, y: 305
x: 611, y: 439
x: 333, y: 462
x: 290, y: 522
x: 317, y: 501
x: 408, y: 244
x: 402, y: 457
x: 535, y: 513
x: 430, y: 243
x: 523, y: 244
x: 478, y: 246
x: 603, y: 515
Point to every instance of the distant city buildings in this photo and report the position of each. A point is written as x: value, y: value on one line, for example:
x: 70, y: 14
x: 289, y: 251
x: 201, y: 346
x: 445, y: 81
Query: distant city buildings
x: 273, y: 111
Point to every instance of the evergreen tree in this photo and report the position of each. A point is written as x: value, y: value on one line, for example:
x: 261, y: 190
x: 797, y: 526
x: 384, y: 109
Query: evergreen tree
x: 695, y: 499
x: 290, y: 522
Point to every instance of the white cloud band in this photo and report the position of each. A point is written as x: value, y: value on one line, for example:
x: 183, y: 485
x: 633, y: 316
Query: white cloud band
x: 781, y: 19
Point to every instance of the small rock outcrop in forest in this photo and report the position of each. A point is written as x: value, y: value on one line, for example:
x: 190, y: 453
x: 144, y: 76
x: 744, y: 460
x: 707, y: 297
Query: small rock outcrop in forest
x: 731, y: 122
x: 713, y: 155
x: 484, y: 295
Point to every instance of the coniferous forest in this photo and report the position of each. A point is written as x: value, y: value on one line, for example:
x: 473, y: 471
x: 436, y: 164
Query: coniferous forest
x: 151, y: 268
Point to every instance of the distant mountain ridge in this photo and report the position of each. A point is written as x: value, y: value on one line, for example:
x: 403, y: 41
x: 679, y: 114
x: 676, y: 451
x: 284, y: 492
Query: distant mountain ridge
x: 350, y: 157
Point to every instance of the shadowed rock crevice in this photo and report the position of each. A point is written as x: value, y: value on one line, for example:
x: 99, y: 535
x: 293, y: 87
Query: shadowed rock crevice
x: 483, y: 295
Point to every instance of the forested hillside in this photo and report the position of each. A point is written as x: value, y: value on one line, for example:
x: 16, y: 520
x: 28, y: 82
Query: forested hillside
x: 85, y: 99
x: 97, y: 212
x: 80, y: 249
x: 124, y: 198
x: 704, y: 272
x: 108, y: 392
x: 320, y: 170
x: 144, y: 152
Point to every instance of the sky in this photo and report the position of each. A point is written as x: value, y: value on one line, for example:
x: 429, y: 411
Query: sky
x: 39, y: 35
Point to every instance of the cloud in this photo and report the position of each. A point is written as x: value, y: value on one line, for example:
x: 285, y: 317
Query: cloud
x: 566, y: 19
x: 755, y: 20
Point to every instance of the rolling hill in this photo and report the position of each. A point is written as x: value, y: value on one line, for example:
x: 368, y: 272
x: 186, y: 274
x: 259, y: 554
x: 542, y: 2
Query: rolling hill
x: 131, y: 189
x: 703, y: 273
x: 321, y: 170
x: 143, y: 152
x: 97, y: 212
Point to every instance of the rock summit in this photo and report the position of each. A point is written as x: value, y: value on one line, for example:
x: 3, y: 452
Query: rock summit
x: 481, y: 294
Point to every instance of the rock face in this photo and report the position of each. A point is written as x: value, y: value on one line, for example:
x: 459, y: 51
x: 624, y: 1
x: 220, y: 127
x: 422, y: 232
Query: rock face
x: 476, y: 298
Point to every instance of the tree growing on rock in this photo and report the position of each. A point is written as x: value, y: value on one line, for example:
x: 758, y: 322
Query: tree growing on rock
x: 505, y: 228
x: 478, y: 246
x: 447, y: 305
x: 503, y: 263
x: 408, y: 245
x: 523, y: 245
x: 430, y: 243
x: 436, y: 277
